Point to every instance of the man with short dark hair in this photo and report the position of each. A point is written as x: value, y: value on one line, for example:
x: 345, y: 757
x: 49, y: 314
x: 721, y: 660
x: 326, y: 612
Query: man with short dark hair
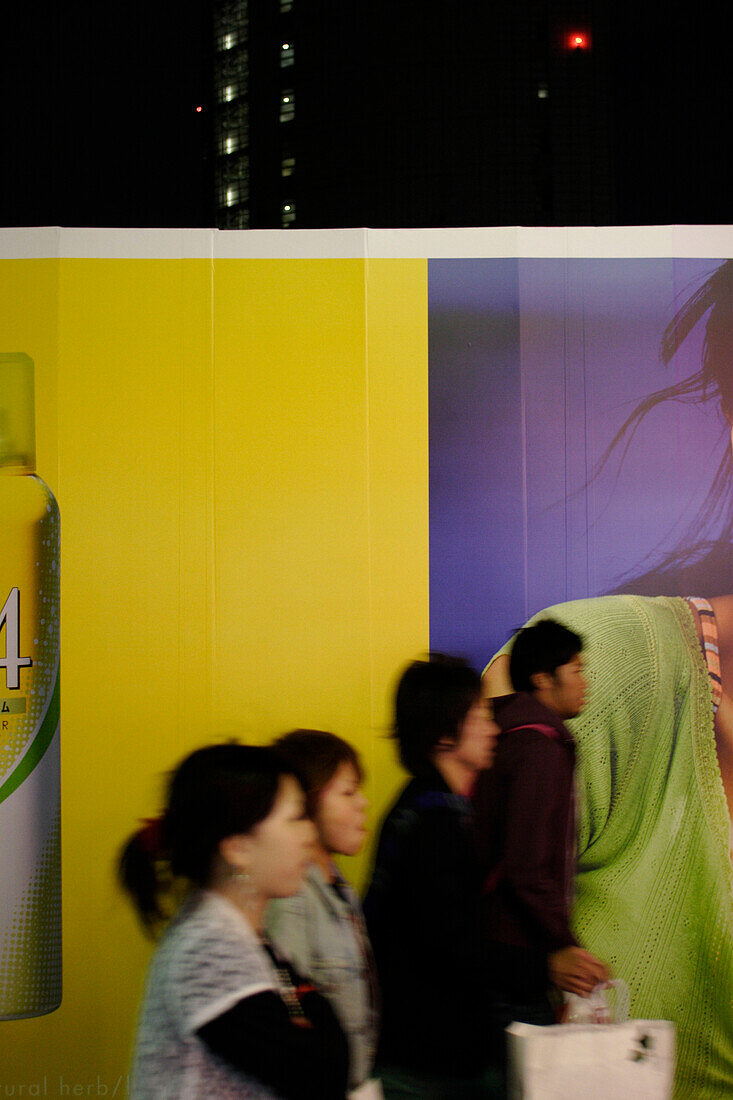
x: 422, y: 906
x: 526, y: 828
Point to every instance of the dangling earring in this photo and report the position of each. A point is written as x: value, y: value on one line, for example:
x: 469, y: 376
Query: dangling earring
x: 244, y: 881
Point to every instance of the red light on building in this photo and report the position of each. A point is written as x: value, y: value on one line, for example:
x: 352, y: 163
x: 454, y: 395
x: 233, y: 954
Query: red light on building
x: 577, y: 40
x: 199, y: 110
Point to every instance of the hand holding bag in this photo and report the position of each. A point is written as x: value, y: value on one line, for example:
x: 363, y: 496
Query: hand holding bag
x: 605, y: 1061
x: 595, y: 1008
x: 370, y: 1090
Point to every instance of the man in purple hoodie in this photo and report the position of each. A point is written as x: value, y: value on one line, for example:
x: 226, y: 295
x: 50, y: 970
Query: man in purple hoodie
x: 525, y: 815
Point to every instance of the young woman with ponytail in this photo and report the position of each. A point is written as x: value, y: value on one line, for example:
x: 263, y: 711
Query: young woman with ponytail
x: 222, y: 1015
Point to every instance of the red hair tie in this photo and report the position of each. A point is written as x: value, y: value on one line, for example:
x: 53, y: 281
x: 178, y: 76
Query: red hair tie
x: 150, y: 835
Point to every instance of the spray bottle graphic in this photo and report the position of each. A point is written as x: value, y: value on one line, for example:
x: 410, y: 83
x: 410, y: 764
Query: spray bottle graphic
x: 30, y: 851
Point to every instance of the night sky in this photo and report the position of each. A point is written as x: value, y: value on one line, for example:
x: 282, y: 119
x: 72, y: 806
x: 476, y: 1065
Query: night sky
x: 99, y: 125
x: 98, y: 114
x: 671, y: 96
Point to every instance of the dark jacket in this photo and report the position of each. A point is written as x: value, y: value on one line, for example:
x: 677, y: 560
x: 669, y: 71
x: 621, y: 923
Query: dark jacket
x: 421, y: 911
x: 526, y: 829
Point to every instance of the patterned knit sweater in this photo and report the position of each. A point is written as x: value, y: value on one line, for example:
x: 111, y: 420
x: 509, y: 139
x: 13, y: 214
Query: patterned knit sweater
x: 654, y: 892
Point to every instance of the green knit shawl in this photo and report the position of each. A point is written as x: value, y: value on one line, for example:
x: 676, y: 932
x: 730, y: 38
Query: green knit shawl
x: 654, y: 892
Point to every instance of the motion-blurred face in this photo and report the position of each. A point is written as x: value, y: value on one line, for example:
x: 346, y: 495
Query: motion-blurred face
x: 474, y: 747
x: 280, y: 847
x: 341, y: 812
x: 568, y: 687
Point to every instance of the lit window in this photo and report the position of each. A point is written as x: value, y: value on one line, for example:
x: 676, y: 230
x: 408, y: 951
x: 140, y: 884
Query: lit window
x: 287, y: 55
x: 542, y: 91
x: 233, y: 183
x: 286, y: 5
x: 229, y: 41
x: 230, y: 144
x: 229, y: 91
x: 287, y: 166
x: 288, y: 215
x: 287, y: 106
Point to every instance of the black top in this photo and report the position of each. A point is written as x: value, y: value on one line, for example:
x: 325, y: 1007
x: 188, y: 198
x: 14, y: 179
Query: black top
x: 300, y: 1055
x: 422, y: 916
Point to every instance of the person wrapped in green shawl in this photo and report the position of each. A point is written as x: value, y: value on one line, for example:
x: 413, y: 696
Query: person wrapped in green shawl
x: 654, y: 887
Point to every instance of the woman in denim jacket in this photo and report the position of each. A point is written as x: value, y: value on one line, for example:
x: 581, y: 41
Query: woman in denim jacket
x: 321, y: 929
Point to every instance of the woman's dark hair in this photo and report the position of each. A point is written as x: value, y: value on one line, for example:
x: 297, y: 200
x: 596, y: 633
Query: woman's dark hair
x: 214, y: 793
x: 543, y: 647
x: 315, y: 756
x: 713, y: 381
x: 431, y: 703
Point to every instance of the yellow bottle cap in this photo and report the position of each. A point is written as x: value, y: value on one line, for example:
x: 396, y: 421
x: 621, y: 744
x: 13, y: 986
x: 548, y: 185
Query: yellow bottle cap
x: 17, y: 413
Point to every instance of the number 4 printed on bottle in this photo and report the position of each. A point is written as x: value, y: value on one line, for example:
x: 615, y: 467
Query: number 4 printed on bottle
x: 10, y: 619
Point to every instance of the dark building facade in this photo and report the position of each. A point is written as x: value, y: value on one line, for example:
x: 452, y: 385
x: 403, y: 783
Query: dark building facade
x: 326, y: 113
x: 389, y: 114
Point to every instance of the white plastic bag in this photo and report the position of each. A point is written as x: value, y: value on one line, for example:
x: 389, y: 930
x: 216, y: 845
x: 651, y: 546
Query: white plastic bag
x: 599, y: 1061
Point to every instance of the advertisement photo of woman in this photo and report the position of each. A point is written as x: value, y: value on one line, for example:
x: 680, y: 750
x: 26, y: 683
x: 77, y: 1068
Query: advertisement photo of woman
x: 594, y: 458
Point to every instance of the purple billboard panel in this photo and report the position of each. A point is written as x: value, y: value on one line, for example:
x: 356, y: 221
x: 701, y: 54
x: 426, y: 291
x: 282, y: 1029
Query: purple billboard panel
x: 567, y: 458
